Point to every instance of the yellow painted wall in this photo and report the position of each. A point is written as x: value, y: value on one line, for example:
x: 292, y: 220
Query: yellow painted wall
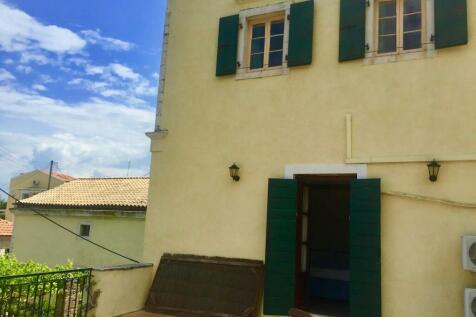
x: 34, y: 238
x: 25, y: 182
x: 113, y: 297
x: 419, y: 107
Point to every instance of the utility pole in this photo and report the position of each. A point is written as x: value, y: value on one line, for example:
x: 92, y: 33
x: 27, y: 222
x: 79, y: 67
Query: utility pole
x: 51, y: 171
x: 128, y: 168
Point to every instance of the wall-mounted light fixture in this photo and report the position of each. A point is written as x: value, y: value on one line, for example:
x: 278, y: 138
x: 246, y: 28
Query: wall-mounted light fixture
x: 234, y: 171
x: 433, y: 170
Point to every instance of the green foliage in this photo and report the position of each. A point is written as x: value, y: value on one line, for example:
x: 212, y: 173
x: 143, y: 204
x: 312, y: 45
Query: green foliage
x: 3, y: 203
x: 9, y: 265
x: 33, y: 289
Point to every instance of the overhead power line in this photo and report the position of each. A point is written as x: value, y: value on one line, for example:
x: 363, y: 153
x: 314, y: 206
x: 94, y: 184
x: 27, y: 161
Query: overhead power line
x: 71, y: 231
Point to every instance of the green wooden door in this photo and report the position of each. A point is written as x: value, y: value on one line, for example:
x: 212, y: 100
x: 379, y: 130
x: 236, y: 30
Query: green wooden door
x: 365, y: 286
x: 279, y: 288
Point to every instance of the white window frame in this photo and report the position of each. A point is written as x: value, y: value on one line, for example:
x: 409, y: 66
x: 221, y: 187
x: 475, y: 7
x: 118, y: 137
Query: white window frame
x: 27, y: 191
x: 90, y: 229
x: 242, y: 71
x: 371, y: 55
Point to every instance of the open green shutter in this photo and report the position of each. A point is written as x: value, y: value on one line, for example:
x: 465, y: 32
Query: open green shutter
x: 365, y: 286
x: 280, y: 259
x: 301, y: 29
x: 451, y: 23
x: 352, y: 30
x: 227, y: 45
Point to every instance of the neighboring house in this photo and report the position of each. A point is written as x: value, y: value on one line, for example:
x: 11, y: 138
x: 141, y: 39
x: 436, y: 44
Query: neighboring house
x: 29, y: 184
x: 6, y: 230
x: 332, y: 110
x: 109, y: 211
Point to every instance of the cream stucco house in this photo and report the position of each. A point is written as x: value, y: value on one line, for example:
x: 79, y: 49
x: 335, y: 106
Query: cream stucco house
x: 332, y: 110
x: 31, y: 183
x: 107, y: 211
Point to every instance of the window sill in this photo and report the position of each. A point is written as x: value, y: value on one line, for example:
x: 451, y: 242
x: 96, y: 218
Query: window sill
x: 376, y: 60
x: 262, y: 73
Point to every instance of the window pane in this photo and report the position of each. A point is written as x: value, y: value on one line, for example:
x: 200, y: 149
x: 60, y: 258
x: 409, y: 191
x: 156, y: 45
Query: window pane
x: 387, y: 26
x: 277, y: 27
x: 256, y: 61
x: 276, y: 43
x: 387, y: 9
x: 387, y: 44
x: 411, y: 22
x: 275, y: 58
x: 257, y: 46
x: 258, y: 30
x: 411, y: 40
x: 412, y: 6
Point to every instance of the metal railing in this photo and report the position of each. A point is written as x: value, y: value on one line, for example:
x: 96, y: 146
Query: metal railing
x: 53, y: 294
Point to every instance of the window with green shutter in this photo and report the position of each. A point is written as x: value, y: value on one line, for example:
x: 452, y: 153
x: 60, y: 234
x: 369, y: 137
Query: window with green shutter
x: 265, y: 41
x: 279, y: 289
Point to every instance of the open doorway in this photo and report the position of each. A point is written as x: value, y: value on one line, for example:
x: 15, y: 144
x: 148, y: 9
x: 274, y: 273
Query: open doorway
x: 323, y: 244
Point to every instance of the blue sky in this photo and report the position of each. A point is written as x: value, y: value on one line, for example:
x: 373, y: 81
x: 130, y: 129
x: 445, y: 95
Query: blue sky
x: 78, y: 85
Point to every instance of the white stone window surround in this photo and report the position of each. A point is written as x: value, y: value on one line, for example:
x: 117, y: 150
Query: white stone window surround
x: 242, y: 72
x: 429, y: 46
x: 322, y: 169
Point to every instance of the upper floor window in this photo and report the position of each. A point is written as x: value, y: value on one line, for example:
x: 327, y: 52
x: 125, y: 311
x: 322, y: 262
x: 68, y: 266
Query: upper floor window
x: 265, y: 42
x: 400, y: 26
x: 85, y: 230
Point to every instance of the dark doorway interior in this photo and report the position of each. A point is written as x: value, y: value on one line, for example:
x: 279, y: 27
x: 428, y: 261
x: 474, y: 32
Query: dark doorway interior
x: 323, y: 255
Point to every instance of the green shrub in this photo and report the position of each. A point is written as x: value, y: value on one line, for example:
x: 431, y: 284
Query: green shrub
x: 9, y: 265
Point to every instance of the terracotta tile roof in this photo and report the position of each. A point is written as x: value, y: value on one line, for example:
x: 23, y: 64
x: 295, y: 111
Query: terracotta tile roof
x: 6, y: 228
x: 62, y: 176
x: 128, y: 193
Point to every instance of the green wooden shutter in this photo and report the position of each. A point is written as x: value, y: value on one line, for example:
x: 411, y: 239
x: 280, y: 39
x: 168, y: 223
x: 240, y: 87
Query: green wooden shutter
x: 301, y: 29
x: 365, y: 285
x: 280, y: 259
x: 451, y: 23
x: 227, y: 45
x: 352, y: 30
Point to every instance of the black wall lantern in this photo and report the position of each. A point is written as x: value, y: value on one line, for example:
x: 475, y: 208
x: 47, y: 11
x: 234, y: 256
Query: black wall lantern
x: 234, y: 171
x: 433, y: 169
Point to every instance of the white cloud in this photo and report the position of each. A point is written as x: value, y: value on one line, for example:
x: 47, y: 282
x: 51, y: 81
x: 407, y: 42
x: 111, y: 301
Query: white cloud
x: 36, y: 57
x: 108, y: 43
x: 75, y: 81
x: 124, y: 72
x: 155, y: 76
x: 90, y: 138
x: 94, y: 70
x: 38, y: 87
x: 8, y: 61
x: 5, y: 75
x: 46, y: 79
x: 21, y: 32
x: 24, y: 69
x: 144, y: 88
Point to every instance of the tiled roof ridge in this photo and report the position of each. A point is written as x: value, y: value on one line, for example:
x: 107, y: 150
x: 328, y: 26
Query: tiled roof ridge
x: 106, y: 178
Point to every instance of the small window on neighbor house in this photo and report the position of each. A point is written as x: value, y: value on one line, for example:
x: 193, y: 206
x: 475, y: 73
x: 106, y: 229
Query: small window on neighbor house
x: 25, y: 195
x: 265, y: 42
x: 399, y: 25
x: 85, y: 230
